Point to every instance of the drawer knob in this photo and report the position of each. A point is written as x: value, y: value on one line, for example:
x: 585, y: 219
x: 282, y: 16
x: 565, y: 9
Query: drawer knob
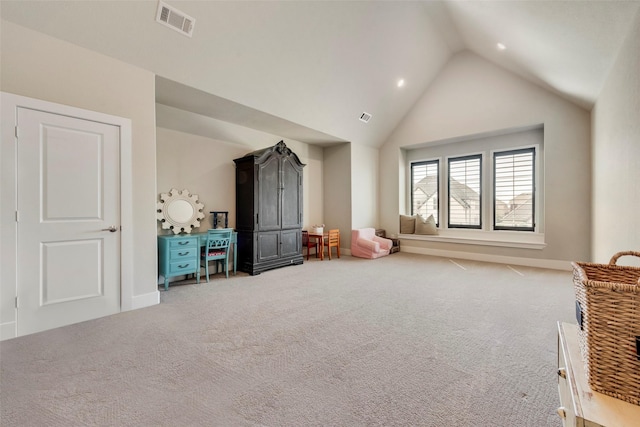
x: 561, y: 411
x: 562, y: 372
x: 184, y: 243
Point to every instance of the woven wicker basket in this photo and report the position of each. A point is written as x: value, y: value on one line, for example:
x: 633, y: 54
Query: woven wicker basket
x: 608, y: 311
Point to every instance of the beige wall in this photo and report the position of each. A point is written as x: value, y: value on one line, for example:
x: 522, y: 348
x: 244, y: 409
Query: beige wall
x: 364, y: 178
x: 38, y: 66
x: 204, y: 166
x: 338, y: 190
x: 616, y: 156
x: 472, y: 96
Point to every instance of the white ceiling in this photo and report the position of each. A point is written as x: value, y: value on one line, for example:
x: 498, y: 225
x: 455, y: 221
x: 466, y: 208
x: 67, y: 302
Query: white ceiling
x: 306, y: 70
x: 565, y: 46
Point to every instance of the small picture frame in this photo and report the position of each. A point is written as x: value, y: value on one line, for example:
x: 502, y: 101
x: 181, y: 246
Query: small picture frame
x: 220, y: 219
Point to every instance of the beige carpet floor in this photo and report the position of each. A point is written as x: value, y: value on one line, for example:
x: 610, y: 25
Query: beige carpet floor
x: 405, y: 340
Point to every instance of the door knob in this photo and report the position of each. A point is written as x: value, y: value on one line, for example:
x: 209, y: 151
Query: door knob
x: 112, y: 229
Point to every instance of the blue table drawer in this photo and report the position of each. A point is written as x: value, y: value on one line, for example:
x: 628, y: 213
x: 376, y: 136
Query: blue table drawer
x: 185, y: 242
x: 183, y: 267
x: 182, y: 253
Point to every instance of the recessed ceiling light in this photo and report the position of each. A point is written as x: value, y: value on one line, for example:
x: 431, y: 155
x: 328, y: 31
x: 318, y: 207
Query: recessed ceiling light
x: 400, y: 82
x: 501, y: 46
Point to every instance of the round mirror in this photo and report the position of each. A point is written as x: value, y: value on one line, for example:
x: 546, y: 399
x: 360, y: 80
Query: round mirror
x: 179, y: 211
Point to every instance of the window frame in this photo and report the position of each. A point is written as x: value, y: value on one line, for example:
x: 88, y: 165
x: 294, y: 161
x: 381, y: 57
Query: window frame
x: 411, y: 190
x: 479, y: 226
x: 485, y: 144
x: 534, y: 187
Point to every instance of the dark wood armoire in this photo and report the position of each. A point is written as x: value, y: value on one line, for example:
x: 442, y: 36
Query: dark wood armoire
x: 269, y: 209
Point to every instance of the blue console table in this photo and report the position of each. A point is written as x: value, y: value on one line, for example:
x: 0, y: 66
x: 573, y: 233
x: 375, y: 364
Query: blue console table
x: 179, y: 255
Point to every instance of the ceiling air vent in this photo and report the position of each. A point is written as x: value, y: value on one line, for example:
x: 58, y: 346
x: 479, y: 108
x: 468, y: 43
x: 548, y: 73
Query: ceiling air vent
x: 365, y: 117
x: 174, y: 19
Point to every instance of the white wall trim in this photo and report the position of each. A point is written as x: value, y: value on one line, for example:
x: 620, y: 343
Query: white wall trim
x: 146, y: 300
x: 7, y: 330
x: 521, y: 240
x: 10, y: 102
x: 126, y: 218
x: 527, y: 262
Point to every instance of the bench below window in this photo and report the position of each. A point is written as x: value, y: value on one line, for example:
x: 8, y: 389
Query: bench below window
x: 484, y: 238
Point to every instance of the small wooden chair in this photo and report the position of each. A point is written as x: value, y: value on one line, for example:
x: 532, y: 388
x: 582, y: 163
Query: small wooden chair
x: 332, y: 240
x: 309, y: 243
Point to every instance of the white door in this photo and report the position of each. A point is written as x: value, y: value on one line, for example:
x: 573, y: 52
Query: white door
x: 68, y: 220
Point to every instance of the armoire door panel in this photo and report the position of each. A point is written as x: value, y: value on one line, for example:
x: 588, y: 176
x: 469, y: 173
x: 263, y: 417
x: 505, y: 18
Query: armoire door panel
x: 268, y: 184
x: 268, y: 245
x: 291, y: 242
x: 291, y: 195
x: 245, y: 212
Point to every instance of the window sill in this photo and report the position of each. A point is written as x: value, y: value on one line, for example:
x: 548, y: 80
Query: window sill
x: 507, y: 239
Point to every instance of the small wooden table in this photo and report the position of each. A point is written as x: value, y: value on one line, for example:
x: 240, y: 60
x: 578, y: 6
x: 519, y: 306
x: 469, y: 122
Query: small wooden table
x: 319, y: 237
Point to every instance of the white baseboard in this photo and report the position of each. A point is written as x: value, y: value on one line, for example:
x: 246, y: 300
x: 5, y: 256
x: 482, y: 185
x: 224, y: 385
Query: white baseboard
x: 146, y: 300
x: 527, y: 262
x: 7, y: 330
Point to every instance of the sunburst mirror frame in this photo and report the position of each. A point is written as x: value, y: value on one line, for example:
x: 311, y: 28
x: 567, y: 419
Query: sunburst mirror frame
x: 179, y: 211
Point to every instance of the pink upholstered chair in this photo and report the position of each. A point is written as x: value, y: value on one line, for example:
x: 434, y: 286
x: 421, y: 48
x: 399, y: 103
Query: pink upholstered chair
x: 365, y: 244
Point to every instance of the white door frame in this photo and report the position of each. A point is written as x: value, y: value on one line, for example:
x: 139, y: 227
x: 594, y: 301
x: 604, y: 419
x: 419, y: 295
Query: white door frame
x: 9, y: 104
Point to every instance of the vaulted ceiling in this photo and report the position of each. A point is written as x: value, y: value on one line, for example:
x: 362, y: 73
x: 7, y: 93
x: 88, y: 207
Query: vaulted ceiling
x: 307, y: 70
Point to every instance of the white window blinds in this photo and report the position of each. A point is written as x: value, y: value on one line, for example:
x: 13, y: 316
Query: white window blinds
x: 465, y: 192
x: 424, y: 189
x: 514, y: 184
